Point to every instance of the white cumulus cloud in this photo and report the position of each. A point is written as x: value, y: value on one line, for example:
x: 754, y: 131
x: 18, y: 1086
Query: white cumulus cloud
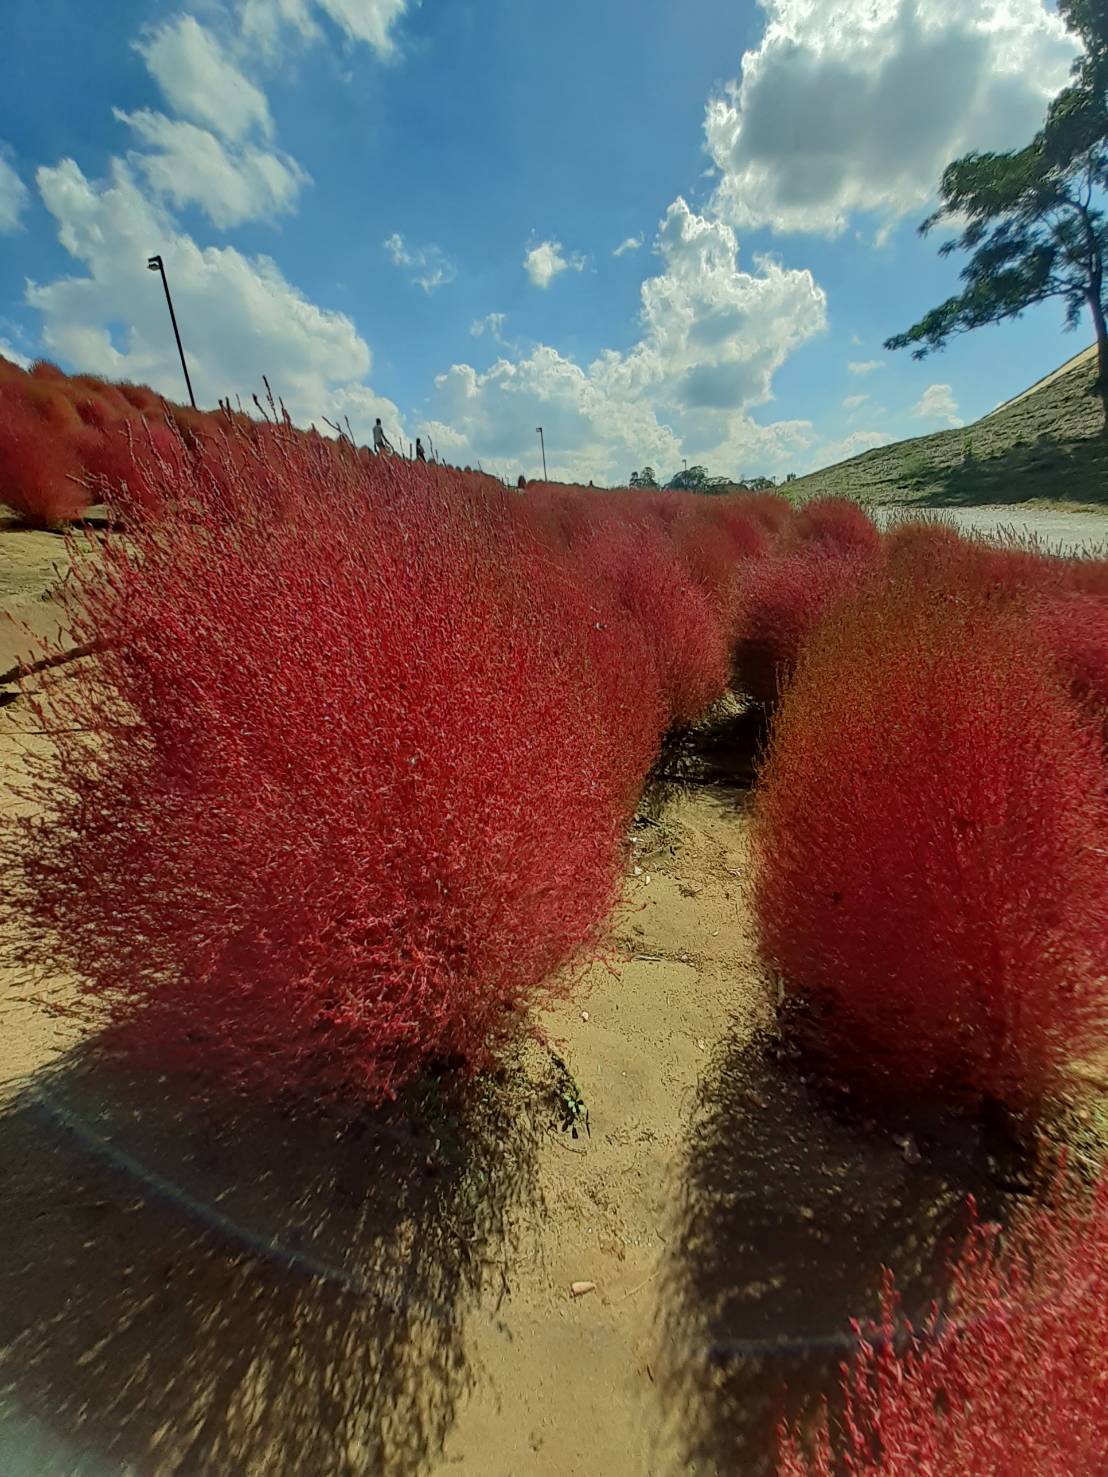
x: 713, y: 335
x: 548, y: 260
x: 852, y: 106
x: 937, y: 403
x: 9, y: 351
x: 854, y: 402
x: 200, y: 82
x: 632, y: 243
x: 493, y: 325
x: 427, y: 266
x: 13, y: 197
x: 866, y: 366
x: 270, y: 24
x: 240, y: 317
x: 232, y: 183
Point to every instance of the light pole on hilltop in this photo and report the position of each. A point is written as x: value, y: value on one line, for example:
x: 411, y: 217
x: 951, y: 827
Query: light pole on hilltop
x: 542, y: 443
x: 155, y: 264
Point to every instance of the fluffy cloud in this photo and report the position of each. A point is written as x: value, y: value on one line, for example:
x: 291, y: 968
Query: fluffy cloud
x: 9, y: 351
x: 713, y: 335
x: 13, y: 197
x: 428, y: 266
x: 937, y: 403
x: 866, y: 366
x: 267, y: 24
x: 632, y: 243
x: 590, y: 434
x: 854, y: 402
x: 717, y: 333
x: 187, y: 165
x: 199, y: 82
x: 492, y: 324
x: 546, y: 261
x: 240, y: 318
x: 858, y: 105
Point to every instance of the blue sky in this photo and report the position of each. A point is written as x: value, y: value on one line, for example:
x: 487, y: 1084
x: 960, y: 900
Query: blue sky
x: 414, y: 210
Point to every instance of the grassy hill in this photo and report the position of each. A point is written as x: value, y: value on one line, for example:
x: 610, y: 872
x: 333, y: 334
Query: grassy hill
x: 1043, y: 446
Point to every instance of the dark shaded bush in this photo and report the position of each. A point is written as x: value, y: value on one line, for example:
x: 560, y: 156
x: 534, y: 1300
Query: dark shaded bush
x: 1012, y: 1384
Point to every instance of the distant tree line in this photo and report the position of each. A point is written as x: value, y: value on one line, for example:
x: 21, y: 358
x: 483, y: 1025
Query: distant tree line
x: 699, y: 479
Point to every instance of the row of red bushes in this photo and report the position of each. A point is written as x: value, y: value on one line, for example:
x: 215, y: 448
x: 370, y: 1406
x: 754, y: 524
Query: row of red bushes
x: 348, y: 782
x: 931, y: 823
x: 350, y: 777
x: 66, y: 441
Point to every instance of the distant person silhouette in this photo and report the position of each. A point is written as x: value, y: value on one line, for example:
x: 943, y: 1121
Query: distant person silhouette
x: 381, y: 443
x: 420, y: 454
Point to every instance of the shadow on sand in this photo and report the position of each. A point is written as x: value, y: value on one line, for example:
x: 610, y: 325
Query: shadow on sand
x: 790, y: 1208
x: 192, y: 1290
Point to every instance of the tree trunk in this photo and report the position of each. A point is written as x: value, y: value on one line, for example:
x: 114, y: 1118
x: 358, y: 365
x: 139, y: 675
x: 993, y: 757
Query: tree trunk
x: 1101, y: 386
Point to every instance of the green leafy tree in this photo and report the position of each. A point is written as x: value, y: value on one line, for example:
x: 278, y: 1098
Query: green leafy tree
x: 646, y: 478
x: 1031, y: 219
x: 697, y: 479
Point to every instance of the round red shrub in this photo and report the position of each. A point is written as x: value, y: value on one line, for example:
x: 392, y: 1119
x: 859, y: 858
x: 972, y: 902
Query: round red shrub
x: 1003, y: 568
x: 345, y: 793
x: 124, y: 465
x: 920, y: 546
x: 42, y: 369
x: 675, y: 618
x: 40, y: 464
x: 770, y: 509
x: 780, y: 602
x: 1087, y: 576
x: 837, y: 526
x: 931, y: 848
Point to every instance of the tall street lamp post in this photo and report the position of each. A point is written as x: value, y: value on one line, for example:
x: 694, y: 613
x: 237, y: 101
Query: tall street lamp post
x: 155, y: 264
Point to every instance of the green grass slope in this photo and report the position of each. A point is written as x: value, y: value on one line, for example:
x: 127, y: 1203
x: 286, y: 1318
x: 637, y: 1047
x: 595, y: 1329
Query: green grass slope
x: 1044, y: 446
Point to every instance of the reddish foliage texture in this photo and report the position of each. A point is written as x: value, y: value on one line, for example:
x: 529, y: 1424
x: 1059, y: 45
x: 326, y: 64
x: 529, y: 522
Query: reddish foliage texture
x: 932, y: 847
x: 344, y: 791
x: 347, y: 782
x: 1074, y: 628
x: 1014, y: 1385
x: 676, y: 619
x: 838, y: 526
x: 781, y: 601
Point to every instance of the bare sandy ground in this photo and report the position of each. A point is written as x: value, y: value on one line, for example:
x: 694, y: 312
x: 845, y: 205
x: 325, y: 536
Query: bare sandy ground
x: 186, y: 1288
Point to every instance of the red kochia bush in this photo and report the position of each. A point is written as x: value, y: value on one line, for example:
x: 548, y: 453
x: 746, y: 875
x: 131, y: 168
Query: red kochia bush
x: 1015, y: 1385
x: 932, y: 847
x: 770, y: 509
x: 40, y: 460
x: 346, y: 793
x: 837, y: 526
x: 1004, y: 567
x: 676, y: 620
x: 781, y: 600
x: 1075, y: 631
